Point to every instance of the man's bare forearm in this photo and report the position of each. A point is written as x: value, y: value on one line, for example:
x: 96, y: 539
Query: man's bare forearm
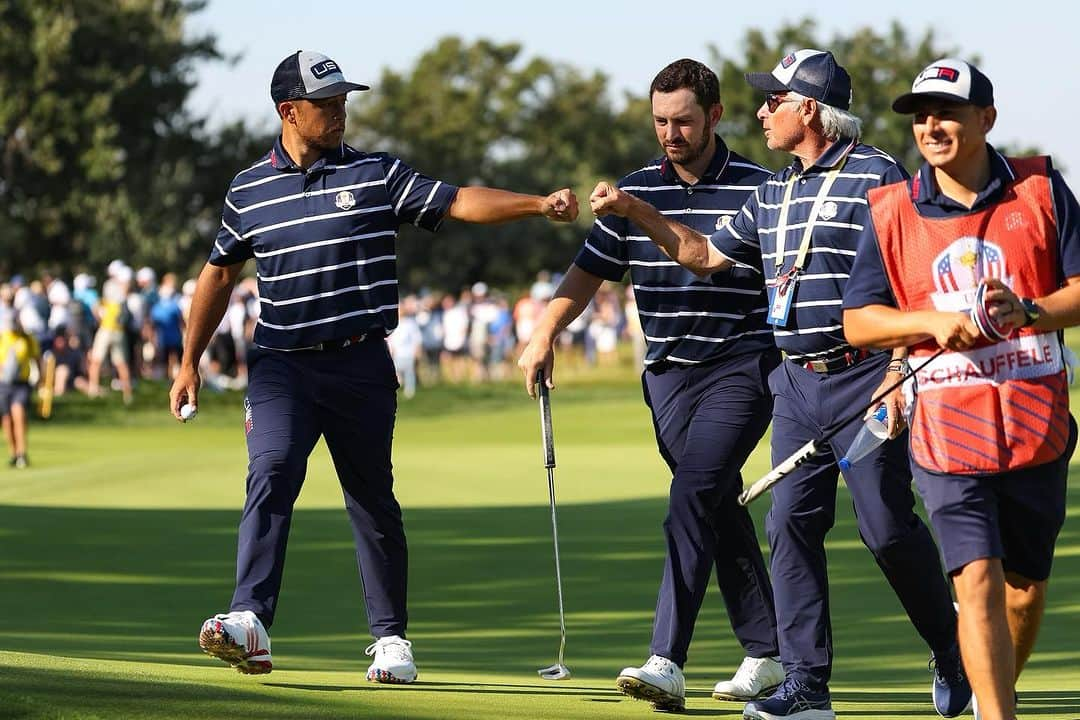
x: 682, y: 244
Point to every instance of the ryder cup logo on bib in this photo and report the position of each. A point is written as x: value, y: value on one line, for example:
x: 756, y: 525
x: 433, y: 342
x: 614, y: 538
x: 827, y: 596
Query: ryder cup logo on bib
x: 344, y: 200
x: 958, y: 270
x: 828, y: 210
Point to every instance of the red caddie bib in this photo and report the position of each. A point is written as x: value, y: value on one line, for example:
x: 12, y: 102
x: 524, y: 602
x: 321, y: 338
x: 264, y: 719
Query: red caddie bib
x: 999, y: 406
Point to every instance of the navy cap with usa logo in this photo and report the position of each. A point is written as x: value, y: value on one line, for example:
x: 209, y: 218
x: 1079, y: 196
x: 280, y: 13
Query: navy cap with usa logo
x: 949, y: 79
x: 813, y: 73
x: 310, y: 76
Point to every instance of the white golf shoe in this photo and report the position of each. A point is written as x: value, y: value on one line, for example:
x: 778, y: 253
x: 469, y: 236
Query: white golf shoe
x: 659, y: 680
x: 239, y: 639
x: 755, y: 678
x: 392, y: 660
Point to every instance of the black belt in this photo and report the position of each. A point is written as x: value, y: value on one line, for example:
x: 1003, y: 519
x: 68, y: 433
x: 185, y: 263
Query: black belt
x: 340, y: 344
x: 837, y: 362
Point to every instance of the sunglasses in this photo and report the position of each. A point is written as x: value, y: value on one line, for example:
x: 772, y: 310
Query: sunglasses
x: 773, y: 101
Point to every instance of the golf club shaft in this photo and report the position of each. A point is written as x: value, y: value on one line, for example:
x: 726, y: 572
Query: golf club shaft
x: 558, y: 564
x: 549, y: 463
x: 807, y: 451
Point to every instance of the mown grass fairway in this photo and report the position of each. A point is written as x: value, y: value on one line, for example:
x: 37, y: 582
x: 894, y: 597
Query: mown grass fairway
x: 120, y: 540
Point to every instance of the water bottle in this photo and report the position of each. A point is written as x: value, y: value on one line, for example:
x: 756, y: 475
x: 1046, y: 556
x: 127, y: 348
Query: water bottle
x: 873, y: 432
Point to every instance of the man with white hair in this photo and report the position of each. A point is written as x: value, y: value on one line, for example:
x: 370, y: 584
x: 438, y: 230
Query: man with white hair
x: 800, y: 229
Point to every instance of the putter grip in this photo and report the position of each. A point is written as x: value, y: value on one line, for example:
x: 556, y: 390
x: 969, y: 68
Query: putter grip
x: 545, y: 421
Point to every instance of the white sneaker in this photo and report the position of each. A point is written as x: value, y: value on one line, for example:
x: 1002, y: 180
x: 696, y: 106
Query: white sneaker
x: 755, y: 678
x: 392, y: 661
x: 659, y: 681
x: 239, y: 639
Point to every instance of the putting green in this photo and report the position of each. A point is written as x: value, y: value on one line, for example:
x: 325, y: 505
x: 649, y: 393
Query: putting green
x: 119, y: 541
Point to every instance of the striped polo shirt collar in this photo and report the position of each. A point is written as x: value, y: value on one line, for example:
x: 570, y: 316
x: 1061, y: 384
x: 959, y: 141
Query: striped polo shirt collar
x: 833, y: 155
x: 281, y: 161
x: 932, y: 202
x: 716, y: 168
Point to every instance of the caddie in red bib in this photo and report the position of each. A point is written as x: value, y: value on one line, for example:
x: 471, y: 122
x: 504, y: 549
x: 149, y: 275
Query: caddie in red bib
x: 975, y: 265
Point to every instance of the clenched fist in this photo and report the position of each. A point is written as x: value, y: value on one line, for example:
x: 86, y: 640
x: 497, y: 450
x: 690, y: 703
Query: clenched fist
x: 560, y: 206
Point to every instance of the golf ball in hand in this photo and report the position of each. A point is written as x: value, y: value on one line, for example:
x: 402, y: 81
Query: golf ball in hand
x: 188, y: 411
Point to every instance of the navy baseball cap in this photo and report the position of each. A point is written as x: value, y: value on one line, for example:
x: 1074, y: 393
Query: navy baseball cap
x: 947, y: 79
x: 310, y: 76
x: 813, y: 73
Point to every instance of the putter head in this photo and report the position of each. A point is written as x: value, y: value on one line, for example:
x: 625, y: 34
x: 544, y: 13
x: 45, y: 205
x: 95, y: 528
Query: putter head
x: 557, y: 671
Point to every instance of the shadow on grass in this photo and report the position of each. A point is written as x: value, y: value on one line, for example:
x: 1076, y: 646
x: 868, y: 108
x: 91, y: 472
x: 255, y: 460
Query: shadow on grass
x: 135, y: 585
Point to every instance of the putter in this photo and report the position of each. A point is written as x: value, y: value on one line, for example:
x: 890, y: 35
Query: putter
x: 558, y: 671
x: 807, y: 451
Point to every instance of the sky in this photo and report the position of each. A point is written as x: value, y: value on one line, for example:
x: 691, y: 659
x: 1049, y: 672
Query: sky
x: 1029, y: 49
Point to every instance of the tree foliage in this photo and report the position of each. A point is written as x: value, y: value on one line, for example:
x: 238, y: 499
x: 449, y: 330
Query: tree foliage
x: 480, y: 114
x: 98, y: 156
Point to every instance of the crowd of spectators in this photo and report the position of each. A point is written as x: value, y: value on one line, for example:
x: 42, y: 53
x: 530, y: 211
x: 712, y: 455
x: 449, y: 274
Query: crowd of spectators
x: 130, y: 327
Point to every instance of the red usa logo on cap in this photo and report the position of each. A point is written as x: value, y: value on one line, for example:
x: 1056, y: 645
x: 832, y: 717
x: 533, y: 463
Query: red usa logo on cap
x: 788, y: 60
x: 939, y: 72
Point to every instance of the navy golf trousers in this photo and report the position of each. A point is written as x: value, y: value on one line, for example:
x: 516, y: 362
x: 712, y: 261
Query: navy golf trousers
x: 804, y: 509
x: 348, y: 397
x: 708, y: 418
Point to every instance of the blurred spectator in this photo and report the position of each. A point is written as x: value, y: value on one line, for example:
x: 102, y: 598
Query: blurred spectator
x: 110, y: 341
x: 482, y: 312
x: 167, y: 321
x: 500, y: 338
x: 19, y: 352
x: 604, y: 327
x: 455, y: 335
x: 70, y: 364
x: 430, y: 320
x: 405, y: 345
x: 632, y: 327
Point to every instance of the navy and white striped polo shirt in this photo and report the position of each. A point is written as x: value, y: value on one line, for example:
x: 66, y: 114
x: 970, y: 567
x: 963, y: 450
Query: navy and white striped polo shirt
x: 324, y: 240
x: 686, y: 319
x: 815, y: 329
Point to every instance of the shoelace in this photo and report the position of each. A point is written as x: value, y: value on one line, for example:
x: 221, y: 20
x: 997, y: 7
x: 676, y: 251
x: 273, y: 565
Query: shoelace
x: 659, y: 665
x: 791, y: 688
x: 947, y: 672
x: 397, y: 649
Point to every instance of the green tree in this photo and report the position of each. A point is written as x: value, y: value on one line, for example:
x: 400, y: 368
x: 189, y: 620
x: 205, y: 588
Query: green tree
x: 98, y: 156
x: 479, y: 114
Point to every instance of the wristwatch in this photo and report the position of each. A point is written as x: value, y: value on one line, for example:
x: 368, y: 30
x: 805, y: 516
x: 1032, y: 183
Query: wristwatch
x: 1031, y: 311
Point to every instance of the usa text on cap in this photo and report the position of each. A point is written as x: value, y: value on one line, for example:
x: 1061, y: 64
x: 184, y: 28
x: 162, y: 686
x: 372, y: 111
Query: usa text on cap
x: 309, y: 75
x: 947, y: 79
x: 813, y: 73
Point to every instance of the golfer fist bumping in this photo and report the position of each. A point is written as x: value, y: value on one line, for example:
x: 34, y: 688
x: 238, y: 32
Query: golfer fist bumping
x: 606, y: 199
x: 560, y: 206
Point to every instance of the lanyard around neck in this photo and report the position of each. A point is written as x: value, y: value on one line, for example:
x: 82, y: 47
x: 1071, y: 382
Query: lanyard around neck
x: 811, y: 220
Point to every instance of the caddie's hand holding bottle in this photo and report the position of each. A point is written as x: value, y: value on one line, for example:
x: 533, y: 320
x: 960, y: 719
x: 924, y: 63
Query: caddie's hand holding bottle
x: 873, y: 433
